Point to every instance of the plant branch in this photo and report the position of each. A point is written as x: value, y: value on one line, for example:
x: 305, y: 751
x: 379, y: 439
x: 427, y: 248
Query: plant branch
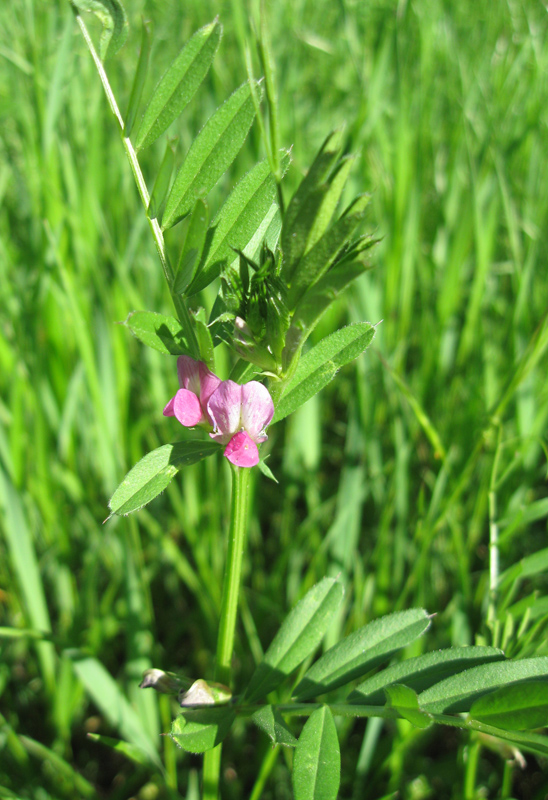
x: 178, y: 302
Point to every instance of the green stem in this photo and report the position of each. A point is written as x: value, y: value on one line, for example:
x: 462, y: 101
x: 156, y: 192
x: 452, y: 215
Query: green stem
x: 239, y: 513
x: 178, y: 302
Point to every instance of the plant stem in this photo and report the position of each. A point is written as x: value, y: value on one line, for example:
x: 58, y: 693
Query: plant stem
x: 239, y: 513
x: 178, y: 302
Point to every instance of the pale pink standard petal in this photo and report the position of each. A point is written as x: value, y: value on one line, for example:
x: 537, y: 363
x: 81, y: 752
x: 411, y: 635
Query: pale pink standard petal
x: 188, y: 371
x: 168, y: 410
x: 242, y: 451
x: 257, y: 410
x: 224, y: 410
x: 187, y: 408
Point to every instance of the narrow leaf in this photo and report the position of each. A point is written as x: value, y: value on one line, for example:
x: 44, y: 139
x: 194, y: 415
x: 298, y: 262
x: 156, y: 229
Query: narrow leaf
x: 179, y: 84
x: 320, y: 296
x: 317, y: 762
x: 113, y: 18
x: 24, y: 562
x: 307, y: 200
x: 138, y: 80
x: 107, y: 696
x: 528, y: 566
x: 241, y: 216
x: 519, y: 707
x: 405, y: 701
x: 320, y: 257
x: 161, y: 184
x: 201, y: 729
x: 162, y: 333
x: 191, y: 253
x: 362, y: 650
x: 423, y: 671
x: 126, y: 749
x: 269, y: 720
x: 154, y: 472
x: 299, y: 636
x: 205, y: 341
x: 211, y: 153
x: 458, y: 693
x: 320, y: 365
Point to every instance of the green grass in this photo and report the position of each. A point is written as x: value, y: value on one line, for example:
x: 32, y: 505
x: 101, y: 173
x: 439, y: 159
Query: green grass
x: 394, y: 476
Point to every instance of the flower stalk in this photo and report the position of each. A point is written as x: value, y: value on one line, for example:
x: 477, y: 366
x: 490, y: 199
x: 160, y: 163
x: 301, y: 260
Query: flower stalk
x: 239, y: 514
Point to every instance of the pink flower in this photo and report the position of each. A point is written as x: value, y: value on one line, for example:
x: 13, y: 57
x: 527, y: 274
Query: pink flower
x: 240, y: 415
x: 237, y: 414
x: 197, y: 384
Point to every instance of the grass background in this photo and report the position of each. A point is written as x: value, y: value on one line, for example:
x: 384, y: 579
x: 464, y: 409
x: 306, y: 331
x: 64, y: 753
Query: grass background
x: 393, y: 477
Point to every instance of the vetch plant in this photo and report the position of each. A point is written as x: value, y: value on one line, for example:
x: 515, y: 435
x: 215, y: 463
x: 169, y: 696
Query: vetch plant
x: 275, y: 269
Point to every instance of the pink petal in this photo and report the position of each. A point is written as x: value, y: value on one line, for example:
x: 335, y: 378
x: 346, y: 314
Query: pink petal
x: 189, y: 375
x: 242, y: 451
x: 257, y: 410
x: 168, y: 410
x: 208, y: 383
x: 187, y: 408
x: 224, y: 410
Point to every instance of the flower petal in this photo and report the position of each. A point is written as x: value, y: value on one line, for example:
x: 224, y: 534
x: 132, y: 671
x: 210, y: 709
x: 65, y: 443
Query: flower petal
x: 208, y: 383
x: 257, y: 410
x: 242, y: 451
x: 168, y: 410
x: 188, y: 371
x: 187, y: 408
x: 224, y: 410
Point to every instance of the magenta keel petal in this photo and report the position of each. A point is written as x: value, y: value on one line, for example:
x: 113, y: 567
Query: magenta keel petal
x: 187, y: 408
x: 242, y: 451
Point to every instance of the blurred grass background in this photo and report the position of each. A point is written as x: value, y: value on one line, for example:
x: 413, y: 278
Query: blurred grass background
x: 393, y: 477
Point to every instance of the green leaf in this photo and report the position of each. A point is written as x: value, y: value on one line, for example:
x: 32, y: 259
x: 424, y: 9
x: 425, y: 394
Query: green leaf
x: 457, y: 694
x: 126, y: 749
x: 106, y: 694
x: 211, y: 153
x: 162, y: 333
x: 320, y: 257
x: 201, y: 729
x: 269, y: 720
x: 161, y: 184
x: 320, y: 296
x: 138, y: 80
x: 193, y: 247
x: 317, y: 762
x: 250, y: 208
x: 205, y: 342
x: 113, y: 17
x: 406, y: 703
x: 298, y: 637
x: 179, y: 84
x: 320, y: 365
x: 423, y: 671
x: 306, y: 204
x: 154, y: 472
x: 519, y: 707
x: 362, y: 650
x: 527, y: 567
